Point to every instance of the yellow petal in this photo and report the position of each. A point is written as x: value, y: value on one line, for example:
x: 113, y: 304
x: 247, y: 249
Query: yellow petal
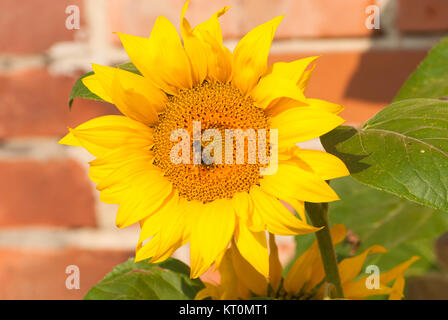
x: 193, y: 210
x: 150, y: 226
x: 299, y: 207
x: 167, y: 224
x: 275, y: 267
x: 398, y: 271
x: 115, y: 194
x: 161, y: 58
x: 397, y: 289
x: 219, y: 58
x: 338, y: 233
x: 93, y: 84
x: 325, y: 105
x: 272, y: 87
x: 148, y: 192
x: 70, y: 140
x: 300, y: 272
x: 292, y: 182
x: 251, y: 54
x: 133, y: 95
x: 242, y: 204
x: 277, y: 218
x: 291, y: 70
x: 195, y: 49
x: 100, y: 135
x: 308, y: 270
x: 325, y: 165
x: 253, y: 247
x: 278, y: 89
x: 303, y: 82
x: 244, y: 209
x: 230, y: 286
x: 349, y: 268
x: 137, y: 49
x: 210, y: 291
x: 211, y: 235
x: 101, y: 167
x: 357, y: 290
x: 282, y: 104
x: 125, y: 173
x: 248, y: 275
x: 302, y: 124
x: 211, y: 29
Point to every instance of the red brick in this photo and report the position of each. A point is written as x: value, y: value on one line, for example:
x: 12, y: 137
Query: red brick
x: 32, y: 26
x: 304, y: 18
x: 39, y: 274
x: 34, y: 103
x: 422, y: 16
x: 362, y: 82
x: 54, y: 193
x: 137, y: 17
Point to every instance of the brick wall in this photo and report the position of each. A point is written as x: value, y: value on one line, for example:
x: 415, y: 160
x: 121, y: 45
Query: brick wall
x: 50, y: 216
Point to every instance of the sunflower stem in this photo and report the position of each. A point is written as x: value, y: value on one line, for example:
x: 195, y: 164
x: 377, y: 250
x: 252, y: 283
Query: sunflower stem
x: 318, y: 214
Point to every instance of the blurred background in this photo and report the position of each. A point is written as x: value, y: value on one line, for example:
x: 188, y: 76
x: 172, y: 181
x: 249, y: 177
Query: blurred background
x: 50, y: 215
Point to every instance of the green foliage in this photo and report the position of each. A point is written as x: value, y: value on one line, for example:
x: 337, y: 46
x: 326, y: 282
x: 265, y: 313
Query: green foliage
x: 430, y: 80
x: 403, y: 150
x: 377, y: 217
x: 168, y: 280
x: 79, y: 90
x: 403, y: 227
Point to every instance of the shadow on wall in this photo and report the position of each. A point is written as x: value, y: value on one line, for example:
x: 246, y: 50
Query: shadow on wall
x: 381, y: 72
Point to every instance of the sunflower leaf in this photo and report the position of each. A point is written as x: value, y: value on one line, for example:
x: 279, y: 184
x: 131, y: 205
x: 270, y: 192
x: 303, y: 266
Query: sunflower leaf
x: 430, y: 80
x: 402, y: 150
x: 79, y: 90
x: 403, y: 227
x: 372, y: 217
x: 147, y: 281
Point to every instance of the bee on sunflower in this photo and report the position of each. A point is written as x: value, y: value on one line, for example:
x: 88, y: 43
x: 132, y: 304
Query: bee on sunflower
x: 306, y: 278
x: 206, y: 205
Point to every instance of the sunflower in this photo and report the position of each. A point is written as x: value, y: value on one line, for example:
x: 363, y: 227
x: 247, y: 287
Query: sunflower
x: 306, y: 277
x: 206, y: 204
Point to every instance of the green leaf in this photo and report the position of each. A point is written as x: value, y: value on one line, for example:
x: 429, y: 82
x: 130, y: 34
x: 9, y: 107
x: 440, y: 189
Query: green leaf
x: 403, y: 150
x: 430, y: 80
x: 79, y: 90
x: 403, y: 227
x: 168, y: 280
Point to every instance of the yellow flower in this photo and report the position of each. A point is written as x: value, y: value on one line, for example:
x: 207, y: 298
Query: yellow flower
x: 206, y: 205
x: 305, y: 279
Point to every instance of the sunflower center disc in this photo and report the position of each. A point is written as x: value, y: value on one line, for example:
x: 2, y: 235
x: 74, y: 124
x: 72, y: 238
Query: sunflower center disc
x: 217, y: 106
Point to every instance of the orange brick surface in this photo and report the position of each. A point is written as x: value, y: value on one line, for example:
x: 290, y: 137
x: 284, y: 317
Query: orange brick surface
x: 304, y: 18
x: 33, y: 26
x: 423, y: 16
x: 41, y: 273
x: 34, y: 103
x: 363, y: 82
x: 53, y: 193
